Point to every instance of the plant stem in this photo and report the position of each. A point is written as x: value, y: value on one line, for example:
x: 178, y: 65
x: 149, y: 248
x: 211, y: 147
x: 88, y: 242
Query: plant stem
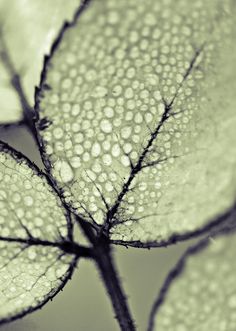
x: 16, y: 83
x: 102, y: 255
x: 104, y: 260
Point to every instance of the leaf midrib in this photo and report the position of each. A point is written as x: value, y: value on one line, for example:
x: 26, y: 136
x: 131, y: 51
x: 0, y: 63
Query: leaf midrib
x: 138, y: 166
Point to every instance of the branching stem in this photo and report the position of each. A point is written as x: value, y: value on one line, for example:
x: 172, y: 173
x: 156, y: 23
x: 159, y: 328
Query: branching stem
x: 101, y: 250
x: 68, y: 247
x: 102, y: 255
x: 16, y: 83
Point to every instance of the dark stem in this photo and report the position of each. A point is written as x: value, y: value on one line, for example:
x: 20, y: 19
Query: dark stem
x: 104, y: 260
x: 87, y: 229
x: 16, y: 83
x: 102, y: 255
x: 68, y: 247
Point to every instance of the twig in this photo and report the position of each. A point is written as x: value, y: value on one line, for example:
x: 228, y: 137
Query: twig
x: 16, y: 83
x: 102, y: 255
x: 68, y: 247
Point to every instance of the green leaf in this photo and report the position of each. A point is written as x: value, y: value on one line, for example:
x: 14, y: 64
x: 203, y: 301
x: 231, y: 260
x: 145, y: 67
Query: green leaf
x: 28, y: 28
x: 200, y: 293
x: 139, y: 101
x: 33, y: 223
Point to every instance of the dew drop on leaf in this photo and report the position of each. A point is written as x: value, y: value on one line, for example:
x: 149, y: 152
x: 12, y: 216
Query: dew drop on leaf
x: 32, y: 267
x: 151, y: 99
x: 200, y: 293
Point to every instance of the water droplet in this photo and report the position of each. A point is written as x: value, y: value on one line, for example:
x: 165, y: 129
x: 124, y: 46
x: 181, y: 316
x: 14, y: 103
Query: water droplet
x: 100, y: 92
x: 96, y: 149
x: 93, y: 207
x: 158, y: 185
x: 129, y: 93
x: 107, y: 160
x: 115, y: 150
x: 125, y: 160
x: 32, y: 255
x: 28, y: 201
x: 106, y: 126
x: 78, y: 149
x: 113, y: 17
x: 138, y: 118
x: 38, y: 221
x: 108, y: 187
x: 65, y: 171
x: 28, y: 184
x: 127, y: 148
x: 75, y: 162
x: 16, y: 197
x: 109, y: 112
x: 126, y: 132
x: 142, y: 186
x: 117, y: 90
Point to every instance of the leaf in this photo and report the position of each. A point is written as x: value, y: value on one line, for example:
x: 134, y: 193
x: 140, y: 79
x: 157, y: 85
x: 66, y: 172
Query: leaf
x: 200, y: 293
x: 139, y: 98
x: 28, y: 28
x: 33, y: 223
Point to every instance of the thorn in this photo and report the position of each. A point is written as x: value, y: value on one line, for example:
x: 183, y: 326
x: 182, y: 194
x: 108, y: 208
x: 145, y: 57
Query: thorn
x: 44, y: 123
x: 47, y: 87
x: 46, y: 58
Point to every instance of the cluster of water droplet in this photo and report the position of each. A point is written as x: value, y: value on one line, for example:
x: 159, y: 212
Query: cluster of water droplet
x: 108, y: 93
x: 28, y: 202
x: 28, y: 276
x: 29, y: 209
x: 204, y: 297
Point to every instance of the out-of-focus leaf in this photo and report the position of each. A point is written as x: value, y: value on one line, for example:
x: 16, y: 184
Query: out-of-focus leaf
x: 28, y: 28
x: 200, y: 293
x: 32, y: 224
x: 138, y: 98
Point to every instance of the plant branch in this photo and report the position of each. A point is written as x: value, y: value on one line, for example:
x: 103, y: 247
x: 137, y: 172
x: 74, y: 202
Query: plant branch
x: 87, y: 229
x: 102, y: 255
x: 16, y: 83
x: 68, y: 247
x: 104, y: 260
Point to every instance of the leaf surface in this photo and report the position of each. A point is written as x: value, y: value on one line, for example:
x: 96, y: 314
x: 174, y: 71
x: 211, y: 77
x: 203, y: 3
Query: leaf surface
x: 200, y: 293
x: 28, y: 28
x: 139, y: 98
x: 33, y: 222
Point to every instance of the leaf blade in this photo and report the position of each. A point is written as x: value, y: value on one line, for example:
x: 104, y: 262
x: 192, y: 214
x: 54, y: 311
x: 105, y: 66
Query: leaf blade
x: 198, y: 288
x: 33, y: 268
x: 119, y: 175
x: 17, y: 299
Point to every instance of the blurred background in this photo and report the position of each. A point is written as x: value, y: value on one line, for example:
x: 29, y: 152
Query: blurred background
x: 28, y: 28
